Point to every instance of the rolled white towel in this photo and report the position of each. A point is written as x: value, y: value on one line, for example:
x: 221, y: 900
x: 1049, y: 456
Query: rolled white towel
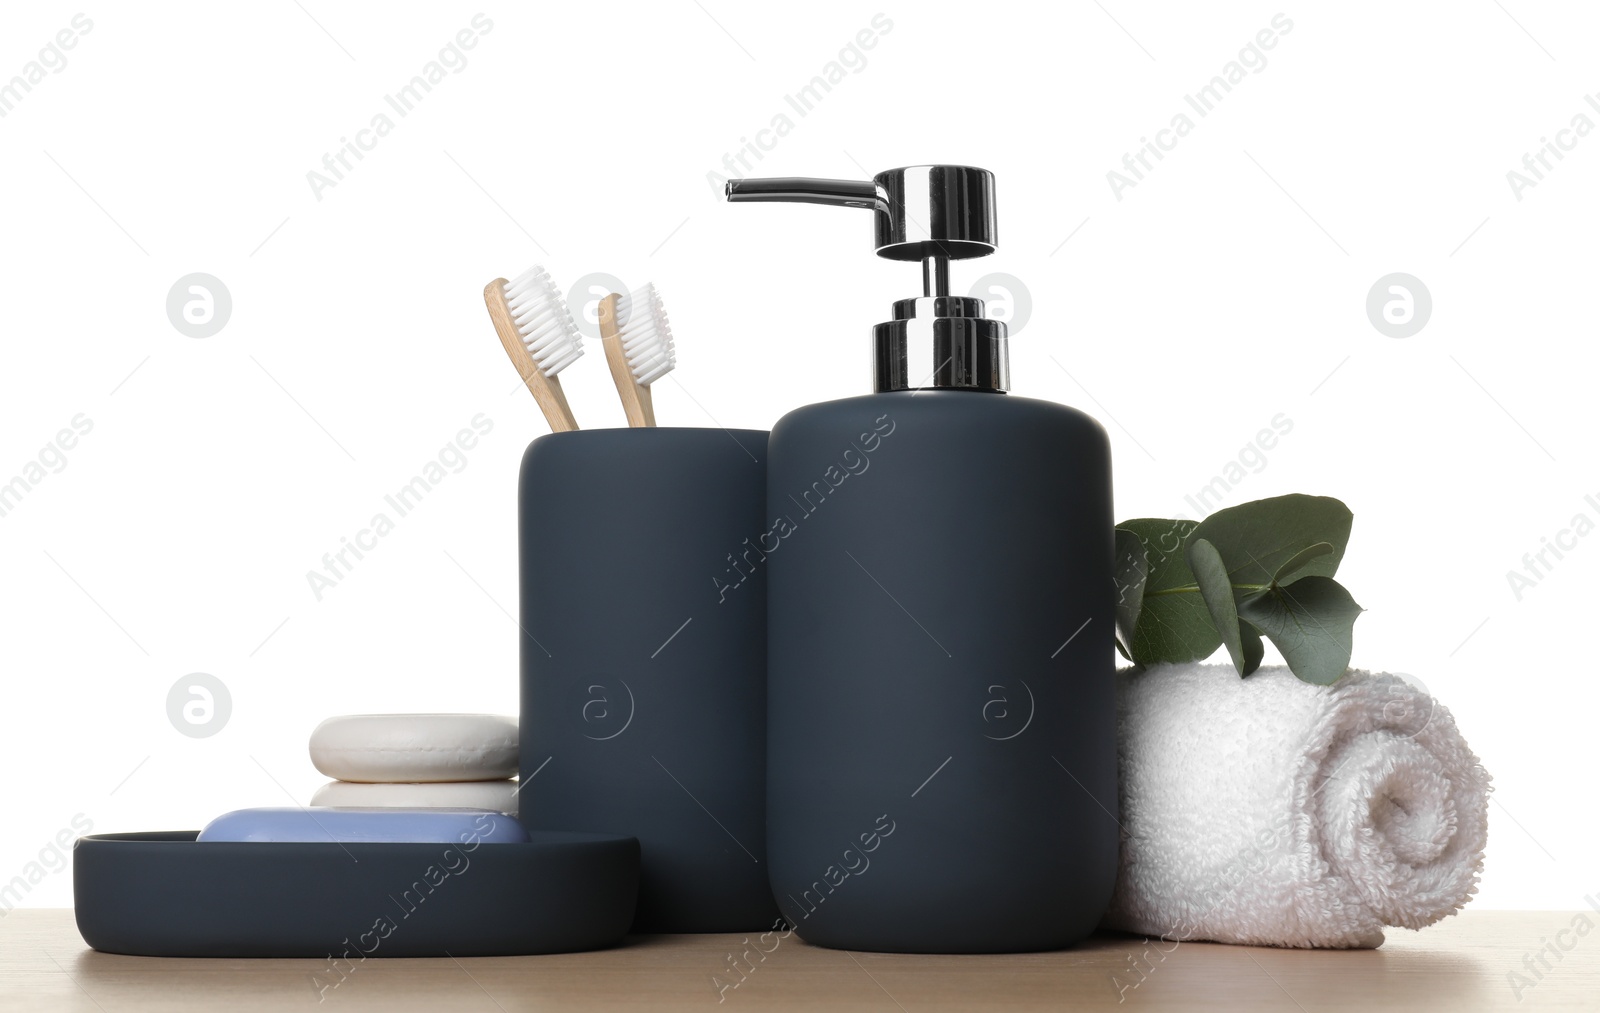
x: 1272, y: 812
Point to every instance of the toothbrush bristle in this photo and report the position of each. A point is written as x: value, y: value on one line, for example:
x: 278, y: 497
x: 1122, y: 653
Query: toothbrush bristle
x: 646, y: 335
x: 543, y: 321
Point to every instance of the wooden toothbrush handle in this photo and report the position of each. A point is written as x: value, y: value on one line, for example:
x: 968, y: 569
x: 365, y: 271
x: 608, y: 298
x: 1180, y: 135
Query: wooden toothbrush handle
x: 636, y: 402
x: 546, y: 390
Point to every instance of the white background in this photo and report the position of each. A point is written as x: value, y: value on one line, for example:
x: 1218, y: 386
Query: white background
x: 1226, y: 287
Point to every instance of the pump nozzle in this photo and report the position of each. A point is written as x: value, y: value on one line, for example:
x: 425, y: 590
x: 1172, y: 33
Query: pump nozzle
x: 928, y: 213
x: 846, y: 193
x: 921, y: 211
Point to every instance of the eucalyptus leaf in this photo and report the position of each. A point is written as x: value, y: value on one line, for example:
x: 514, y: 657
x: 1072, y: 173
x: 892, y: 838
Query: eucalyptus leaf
x: 1173, y: 623
x: 1256, y: 539
x: 1211, y: 573
x: 1163, y: 542
x: 1175, y: 628
x: 1289, y: 571
x: 1254, y: 650
x: 1263, y: 568
x: 1311, y: 622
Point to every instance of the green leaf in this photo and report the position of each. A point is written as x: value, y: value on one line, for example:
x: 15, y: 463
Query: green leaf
x: 1131, y: 570
x: 1290, y: 570
x: 1172, y: 623
x: 1259, y: 569
x: 1217, y: 591
x: 1163, y: 542
x: 1311, y: 622
x: 1174, y: 628
x: 1257, y: 539
x: 1253, y: 649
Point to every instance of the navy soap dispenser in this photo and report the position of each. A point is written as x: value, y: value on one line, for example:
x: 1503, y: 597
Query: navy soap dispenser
x: 941, y: 751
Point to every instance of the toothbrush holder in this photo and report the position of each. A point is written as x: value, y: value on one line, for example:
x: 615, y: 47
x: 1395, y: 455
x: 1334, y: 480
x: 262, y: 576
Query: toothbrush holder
x: 643, y: 615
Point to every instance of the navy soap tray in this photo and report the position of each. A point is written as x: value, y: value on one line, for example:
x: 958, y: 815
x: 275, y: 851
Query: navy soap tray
x: 167, y: 895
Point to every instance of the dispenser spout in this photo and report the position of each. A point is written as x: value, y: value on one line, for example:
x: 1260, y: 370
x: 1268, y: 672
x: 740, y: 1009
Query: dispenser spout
x: 919, y: 212
x: 846, y: 193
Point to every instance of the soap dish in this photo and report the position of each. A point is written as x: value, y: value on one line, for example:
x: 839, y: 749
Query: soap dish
x: 168, y: 895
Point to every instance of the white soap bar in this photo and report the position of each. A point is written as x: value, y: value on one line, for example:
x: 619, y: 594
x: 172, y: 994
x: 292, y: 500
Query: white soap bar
x: 499, y: 796
x: 416, y: 747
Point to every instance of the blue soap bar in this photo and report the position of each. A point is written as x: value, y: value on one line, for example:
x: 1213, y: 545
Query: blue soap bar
x: 352, y: 825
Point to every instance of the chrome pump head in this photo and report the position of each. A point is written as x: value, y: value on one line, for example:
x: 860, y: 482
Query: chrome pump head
x: 936, y: 340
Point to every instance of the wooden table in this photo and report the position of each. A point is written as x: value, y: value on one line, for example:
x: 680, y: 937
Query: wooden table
x: 1461, y: 964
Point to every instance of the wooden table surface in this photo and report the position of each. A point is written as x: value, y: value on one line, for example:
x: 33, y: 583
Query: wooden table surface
x: 1461, y: 964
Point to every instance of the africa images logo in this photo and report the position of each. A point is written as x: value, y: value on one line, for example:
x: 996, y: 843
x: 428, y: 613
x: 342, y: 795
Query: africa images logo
x: 607, y: 712
x: 1008, y: 713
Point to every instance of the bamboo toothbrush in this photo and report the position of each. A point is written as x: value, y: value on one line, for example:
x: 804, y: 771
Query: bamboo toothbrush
x: 639, y: 349
x: 539, y: 335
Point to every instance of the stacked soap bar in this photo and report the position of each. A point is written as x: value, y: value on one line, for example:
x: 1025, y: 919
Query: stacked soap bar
x: 417, y: 761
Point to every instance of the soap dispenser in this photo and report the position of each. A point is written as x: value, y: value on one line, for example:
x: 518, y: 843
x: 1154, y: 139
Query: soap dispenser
x: 941, y: 739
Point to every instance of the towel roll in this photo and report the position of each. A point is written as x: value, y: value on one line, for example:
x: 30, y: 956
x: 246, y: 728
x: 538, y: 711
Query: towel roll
x: 1272, y: 812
